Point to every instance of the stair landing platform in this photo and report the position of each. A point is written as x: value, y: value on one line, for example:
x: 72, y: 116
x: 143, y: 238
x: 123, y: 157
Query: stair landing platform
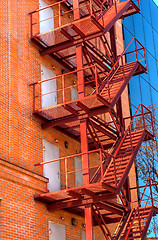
x: 80, y: 193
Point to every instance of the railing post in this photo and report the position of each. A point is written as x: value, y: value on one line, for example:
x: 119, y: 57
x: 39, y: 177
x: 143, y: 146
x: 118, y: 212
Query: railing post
x: 115, y: 171
x: 151, y: 193
x: 59, y: 14
x: 34, y: 97
x: 66, y: 173
x: 96, y: 80
x: 152, y: 124
x: 63, y: 88
x: 91, y: 8
x: 143, y: 117
x: 101, y: 165
x: 131, y: 139
x: 136, y: 49
x: 123, y: 67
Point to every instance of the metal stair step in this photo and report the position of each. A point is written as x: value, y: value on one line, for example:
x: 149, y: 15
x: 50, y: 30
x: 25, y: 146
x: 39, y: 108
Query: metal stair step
x: 121, y: 166
x: 112, y: 178
x: 134, y: 138
x: 131, y: 238
x: 118, y: 173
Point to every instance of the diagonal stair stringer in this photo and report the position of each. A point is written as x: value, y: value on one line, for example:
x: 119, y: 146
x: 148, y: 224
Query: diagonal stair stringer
x: 143, y: 237
x: 126, y: 81
x: 118, y: 15
x: 136, y: 149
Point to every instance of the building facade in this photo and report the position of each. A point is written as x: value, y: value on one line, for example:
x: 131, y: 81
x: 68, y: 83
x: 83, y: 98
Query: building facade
x: 147, y: 33
x: 144, y: 88
x: 68, y: 143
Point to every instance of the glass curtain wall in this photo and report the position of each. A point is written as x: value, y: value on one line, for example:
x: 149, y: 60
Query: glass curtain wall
x: 144, y: 88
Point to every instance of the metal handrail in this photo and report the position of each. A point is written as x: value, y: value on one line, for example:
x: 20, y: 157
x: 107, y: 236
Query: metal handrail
x: 131, y: 122
x: 120, y: 62
x: 90, y: 11
x: 66, y: 159
x: 114, y: 3
x: 107, y: 78
x: 61, y: 75
x: 124, y: 52
x: 150, y: 196
x: 128, y: 131
x: 62, y: 78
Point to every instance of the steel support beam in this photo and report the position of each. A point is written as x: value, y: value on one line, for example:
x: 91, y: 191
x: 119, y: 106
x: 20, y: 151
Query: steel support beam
x: 66, y: 34
x: 69, y: 44
x: 109, y: 208
x: 99, y: 55
x: 79, y: 202
x: 65, y: 65
x: 60, y: 121
x: 96, y: 60
x: 71, y: 118
x: 74, y: 194
x: 83, y: 129
x: 89, y: 222
x: 86, y: 178
x: 103, y: 130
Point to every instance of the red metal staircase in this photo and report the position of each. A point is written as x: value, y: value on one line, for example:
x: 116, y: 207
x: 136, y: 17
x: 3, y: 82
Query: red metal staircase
x: 82, y: 41
x: 108, y: 173
x: 121, y: 73
x: 101, y: 90
x: 124, y: 155
x: 138, y: 220
x: 94, y: 19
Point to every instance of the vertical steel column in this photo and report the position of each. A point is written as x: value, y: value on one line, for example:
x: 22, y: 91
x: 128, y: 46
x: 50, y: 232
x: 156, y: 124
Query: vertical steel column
x: 84, y: 148
x: 113, y: 42
x: 83, y: 129
x: 85, y: 166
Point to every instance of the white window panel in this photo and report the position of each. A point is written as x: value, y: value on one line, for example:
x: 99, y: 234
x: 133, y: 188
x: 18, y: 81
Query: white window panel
x: 48, y: 88
x: 56, y: 231
x: 47, y: 25
x: 51, y: 170
x: 78, y: 174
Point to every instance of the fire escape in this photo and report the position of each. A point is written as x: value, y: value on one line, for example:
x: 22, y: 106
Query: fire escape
x: 83, y: 42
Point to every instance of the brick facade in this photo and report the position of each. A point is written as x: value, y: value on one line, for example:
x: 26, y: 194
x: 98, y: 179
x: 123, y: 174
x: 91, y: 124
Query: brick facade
x: 21, y: 133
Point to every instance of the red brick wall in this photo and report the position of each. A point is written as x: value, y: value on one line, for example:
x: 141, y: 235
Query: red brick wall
x: 21, y: 134
x: 21, y: 138
x: 21, y: 217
